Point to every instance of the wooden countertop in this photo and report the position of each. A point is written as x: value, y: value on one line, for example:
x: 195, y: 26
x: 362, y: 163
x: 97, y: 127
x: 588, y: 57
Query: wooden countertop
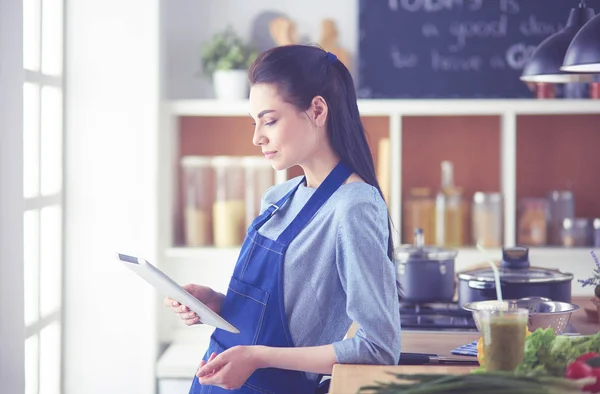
x: 349, y: 378
x: 580, y: 319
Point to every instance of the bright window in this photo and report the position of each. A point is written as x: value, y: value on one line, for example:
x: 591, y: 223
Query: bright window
x: 43, y: 142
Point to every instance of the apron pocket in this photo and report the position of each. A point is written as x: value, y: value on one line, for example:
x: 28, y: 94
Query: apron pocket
x: 245, y: 308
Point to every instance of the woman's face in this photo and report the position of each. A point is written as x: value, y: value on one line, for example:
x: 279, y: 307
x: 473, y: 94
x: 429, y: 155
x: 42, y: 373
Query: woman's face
x: 286, y: 136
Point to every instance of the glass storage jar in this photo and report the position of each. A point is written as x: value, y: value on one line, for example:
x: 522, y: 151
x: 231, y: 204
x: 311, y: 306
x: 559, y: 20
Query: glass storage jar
x: 229, y: 208
x: 198, y: 192
x: 419, y: 212
x: 576, y: 232
x: 533, y: 221
x: 259, y: 177
x: 562, y: 206
x: 487, y: 223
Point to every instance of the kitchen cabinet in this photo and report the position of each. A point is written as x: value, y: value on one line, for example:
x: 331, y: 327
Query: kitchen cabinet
x: 555, y: 141
x: 517, y: 147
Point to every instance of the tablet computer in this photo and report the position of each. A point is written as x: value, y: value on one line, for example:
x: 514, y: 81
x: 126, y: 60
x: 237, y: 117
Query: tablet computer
x: 168, y: 287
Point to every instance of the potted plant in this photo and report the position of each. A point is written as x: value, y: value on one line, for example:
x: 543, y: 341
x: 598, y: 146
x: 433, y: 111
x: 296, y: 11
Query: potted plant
x: 226, y: 59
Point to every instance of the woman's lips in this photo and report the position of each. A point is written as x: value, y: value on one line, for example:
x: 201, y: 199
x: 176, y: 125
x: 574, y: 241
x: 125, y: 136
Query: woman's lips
x: 270, y: 154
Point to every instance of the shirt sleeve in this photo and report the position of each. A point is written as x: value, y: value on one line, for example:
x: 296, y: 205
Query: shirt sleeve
x: 369, y: 280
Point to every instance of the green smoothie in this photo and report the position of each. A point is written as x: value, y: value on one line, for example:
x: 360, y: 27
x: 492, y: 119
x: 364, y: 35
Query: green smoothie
x: 503, y: 341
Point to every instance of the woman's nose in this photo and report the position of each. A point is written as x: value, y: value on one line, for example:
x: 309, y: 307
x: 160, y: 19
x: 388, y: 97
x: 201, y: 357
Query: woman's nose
x: 258, y: 139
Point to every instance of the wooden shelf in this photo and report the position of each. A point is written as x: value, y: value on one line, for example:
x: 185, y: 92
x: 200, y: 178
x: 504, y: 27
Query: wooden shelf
x: 582, y: 255
x: 518, y: 147
x: 376, y: 107
x: 471, y: 143
x: 560, y: 152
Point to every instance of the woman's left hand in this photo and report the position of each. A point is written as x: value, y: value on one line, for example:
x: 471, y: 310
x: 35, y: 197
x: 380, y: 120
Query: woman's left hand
x: 230, y: 369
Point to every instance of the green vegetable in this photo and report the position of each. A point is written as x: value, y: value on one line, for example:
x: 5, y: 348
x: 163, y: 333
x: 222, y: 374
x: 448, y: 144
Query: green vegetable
x: 548, y: 354
x: 479, y: 383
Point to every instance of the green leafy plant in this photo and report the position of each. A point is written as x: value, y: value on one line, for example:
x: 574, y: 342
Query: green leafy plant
x: 226, y: 51
x: 549, y: 354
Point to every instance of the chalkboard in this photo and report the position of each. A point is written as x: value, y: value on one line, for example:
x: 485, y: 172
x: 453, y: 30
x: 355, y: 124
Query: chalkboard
x: 452, y: 48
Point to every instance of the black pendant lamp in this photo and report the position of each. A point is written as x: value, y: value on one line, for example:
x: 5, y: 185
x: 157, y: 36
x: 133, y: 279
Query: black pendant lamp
x: 583, y: 55
x: 546, y: 63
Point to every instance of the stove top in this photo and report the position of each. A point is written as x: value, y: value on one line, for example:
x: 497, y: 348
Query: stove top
x: 436, y: 317
x: 443, y: 317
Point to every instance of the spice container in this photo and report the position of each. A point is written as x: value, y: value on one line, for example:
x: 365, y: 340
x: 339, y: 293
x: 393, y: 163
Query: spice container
x: 487, y: 220
x: 533, y: 222
x: 576, y: 232
x: 562, y: 206
x: 259, y: 177
x: 419, y: 212
x: 595, y: 87
x: 229, y: 208
x: 198, y: 196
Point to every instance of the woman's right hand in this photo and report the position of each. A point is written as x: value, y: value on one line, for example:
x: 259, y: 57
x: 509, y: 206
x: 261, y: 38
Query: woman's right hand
x: 206, y: 295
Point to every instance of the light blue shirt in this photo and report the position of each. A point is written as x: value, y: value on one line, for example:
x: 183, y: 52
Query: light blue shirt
x: 337, y: 271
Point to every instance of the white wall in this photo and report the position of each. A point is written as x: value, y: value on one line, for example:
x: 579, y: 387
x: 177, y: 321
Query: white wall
x: 189, y: 23
x: 112, y: 97
x: 12, y: 329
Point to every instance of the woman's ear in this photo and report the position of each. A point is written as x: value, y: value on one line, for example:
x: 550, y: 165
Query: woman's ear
x: 319, y: 111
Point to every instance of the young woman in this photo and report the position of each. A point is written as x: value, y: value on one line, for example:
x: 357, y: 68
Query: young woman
x: 320, y: 255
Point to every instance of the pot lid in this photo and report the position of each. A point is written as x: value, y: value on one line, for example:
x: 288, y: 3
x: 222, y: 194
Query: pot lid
x: 515, y: 268
x: 519, y: 275
x: 420, y: 252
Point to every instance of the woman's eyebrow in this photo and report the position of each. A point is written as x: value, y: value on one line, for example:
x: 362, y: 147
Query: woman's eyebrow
x: 263, y: 113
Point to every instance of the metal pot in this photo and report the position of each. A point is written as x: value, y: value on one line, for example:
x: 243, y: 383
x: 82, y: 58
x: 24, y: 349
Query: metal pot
x: 517, y: 280
x: 426, y: 273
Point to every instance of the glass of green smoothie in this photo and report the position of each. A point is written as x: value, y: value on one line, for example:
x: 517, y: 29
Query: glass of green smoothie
x: 503, y: 337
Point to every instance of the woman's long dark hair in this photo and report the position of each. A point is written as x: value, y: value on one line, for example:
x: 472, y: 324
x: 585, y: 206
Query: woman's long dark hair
x: 301, y: 72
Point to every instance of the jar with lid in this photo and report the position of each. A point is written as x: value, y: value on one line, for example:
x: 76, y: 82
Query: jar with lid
x: 259, y: 177
x: 487, y: 222
x: 198, y: 191
x: 533, y: 221
x: 229, y: 208
x: 576, y: 232
x: 419, y: 212
x: 562, y: 206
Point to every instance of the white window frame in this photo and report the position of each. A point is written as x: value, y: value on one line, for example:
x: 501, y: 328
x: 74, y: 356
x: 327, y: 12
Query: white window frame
x: 12, y: 336
x: 40, y: 201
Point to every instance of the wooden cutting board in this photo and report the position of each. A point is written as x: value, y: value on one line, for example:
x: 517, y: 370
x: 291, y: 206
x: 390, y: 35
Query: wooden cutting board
x: 347, y: 378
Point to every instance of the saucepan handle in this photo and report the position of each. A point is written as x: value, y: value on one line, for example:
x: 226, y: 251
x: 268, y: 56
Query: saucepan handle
x: 477, y: 285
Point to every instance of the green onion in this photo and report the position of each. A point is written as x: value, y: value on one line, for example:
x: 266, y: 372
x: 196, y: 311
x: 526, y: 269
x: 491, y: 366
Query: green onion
x: 479, y: 383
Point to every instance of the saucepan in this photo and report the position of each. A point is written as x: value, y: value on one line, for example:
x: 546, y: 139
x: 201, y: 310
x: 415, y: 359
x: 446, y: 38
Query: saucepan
x: 426, y: 273
x: 518, y: 279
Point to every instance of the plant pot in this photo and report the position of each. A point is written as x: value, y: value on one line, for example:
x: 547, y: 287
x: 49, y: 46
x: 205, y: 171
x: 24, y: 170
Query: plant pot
x: 231, y: 84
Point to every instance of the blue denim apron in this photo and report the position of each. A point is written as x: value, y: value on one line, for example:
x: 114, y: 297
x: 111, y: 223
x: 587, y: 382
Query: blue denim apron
x: 254, y: 303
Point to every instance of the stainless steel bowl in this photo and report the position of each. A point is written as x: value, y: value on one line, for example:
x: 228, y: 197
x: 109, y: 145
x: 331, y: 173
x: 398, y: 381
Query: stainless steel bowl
x: 543, y: 313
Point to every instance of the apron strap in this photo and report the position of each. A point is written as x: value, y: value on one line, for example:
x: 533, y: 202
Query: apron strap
x: 266, y: 215
x: 333, y: 181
